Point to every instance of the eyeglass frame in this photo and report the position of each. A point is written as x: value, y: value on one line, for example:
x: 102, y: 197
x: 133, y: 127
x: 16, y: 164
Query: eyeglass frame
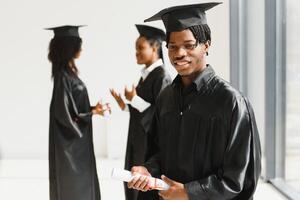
x: 184, y: 46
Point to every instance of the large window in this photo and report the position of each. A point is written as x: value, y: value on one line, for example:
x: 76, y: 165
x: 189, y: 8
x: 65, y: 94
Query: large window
x: 265, y: 65
x: 292, y: 164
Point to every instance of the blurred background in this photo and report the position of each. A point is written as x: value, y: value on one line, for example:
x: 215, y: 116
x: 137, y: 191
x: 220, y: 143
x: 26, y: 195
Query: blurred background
x: 255, y: 46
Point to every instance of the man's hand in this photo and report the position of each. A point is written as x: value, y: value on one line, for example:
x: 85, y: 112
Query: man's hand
x: 130, y: 94
x: 141, y: 178
x: 175, y: 192
x: 118, y: 99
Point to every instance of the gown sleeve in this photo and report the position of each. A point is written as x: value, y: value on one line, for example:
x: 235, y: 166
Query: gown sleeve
x: 241, y: 164
x: 147, y: 116
x: 152, y: 155
x: 80, y: 116
x: 139, y: 103
x: 66, y: 112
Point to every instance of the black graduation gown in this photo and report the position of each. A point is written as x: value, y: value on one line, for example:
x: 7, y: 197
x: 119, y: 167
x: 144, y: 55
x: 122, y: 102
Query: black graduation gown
x: 140, y: 123
x: 72, y: 166
x: 206, y: 138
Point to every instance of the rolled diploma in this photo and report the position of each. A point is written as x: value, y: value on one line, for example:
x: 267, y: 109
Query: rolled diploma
x: 124, y: 175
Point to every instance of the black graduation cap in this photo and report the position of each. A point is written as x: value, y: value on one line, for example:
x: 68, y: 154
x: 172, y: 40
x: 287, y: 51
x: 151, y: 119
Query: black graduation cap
x: 178, y: 18
x: 62, y: 31
x: 151, y: 32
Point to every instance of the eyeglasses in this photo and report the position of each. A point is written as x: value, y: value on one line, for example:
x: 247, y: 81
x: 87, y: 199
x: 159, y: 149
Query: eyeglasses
x: 186, y: 47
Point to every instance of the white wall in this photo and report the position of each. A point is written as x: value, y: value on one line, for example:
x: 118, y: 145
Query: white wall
x: 108, y: 60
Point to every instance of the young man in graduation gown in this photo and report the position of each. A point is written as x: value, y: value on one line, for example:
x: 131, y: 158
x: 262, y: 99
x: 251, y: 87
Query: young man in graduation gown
x: 142, y: 99
x: 205, y: 141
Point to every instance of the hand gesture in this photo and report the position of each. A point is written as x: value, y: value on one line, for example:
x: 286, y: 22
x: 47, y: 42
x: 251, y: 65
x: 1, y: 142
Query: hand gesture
x: 100, y: 108
x: 130, y: 94
x: 118, y: 99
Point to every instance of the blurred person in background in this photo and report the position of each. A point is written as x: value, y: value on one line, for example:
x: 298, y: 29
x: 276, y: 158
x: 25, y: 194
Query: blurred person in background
x: 72, y: 165
x: 142, y: 99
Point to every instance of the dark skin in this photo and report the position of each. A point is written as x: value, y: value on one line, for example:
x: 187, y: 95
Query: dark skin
x: 189, y: 62
x: 146, y: 54
x: 99, y: 109
x: 118, y: 98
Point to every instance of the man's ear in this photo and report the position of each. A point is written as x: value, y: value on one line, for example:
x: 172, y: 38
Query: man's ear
x: 207, y: 46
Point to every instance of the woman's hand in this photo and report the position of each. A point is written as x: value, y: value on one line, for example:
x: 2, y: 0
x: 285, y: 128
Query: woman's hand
x: 118, y: 99
x: 99, y: 109
x: 130, y: 94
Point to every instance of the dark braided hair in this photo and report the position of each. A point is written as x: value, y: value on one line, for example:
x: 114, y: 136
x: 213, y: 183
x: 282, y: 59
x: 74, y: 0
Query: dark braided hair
x: 201, y: 33
x: 62, y: 51
x: 158, y: 43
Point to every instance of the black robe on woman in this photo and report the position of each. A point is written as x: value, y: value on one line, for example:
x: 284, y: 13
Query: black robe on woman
x: 205, y: 136
x: 72, y: 165
x: 140, y: 123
